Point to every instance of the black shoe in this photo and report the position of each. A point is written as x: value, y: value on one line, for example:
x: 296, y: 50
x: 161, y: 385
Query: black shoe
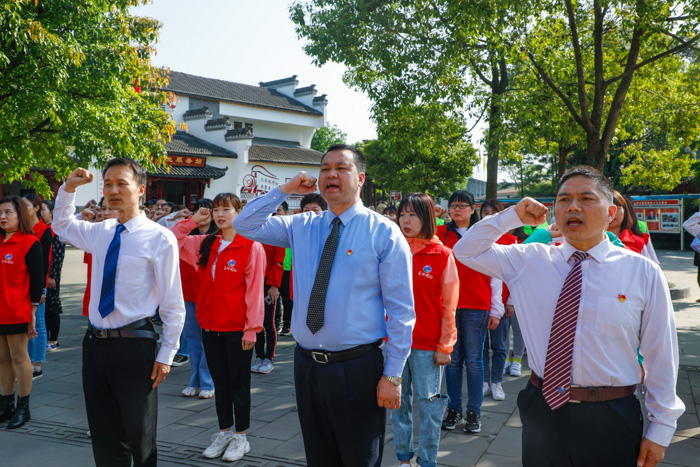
x: 21, y: 415
x: 452, y: 419
x: 7, y: 407
x: 180, y: 360
x: 284, y: 332
x: 473, y: 424
x: 36, y: 374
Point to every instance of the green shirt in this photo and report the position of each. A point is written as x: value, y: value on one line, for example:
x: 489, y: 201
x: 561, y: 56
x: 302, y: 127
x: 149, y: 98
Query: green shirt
x: 287, y: 259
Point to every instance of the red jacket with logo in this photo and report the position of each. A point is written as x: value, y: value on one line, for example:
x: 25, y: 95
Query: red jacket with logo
x: 474, y: 287
x: 435, y: 293
x: 274, y: 266
x: 44, y: 234
x: 233, y: 299
x: 22, y: 277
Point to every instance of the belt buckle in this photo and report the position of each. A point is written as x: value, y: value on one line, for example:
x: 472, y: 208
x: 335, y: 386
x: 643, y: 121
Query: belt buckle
x: 319, y: 357
x: 101, y: 333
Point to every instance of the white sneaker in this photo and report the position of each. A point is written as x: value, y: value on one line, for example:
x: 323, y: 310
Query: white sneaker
x: 255, y: 367
x: 487, y: 389
x: 515, y: 368
x: 190, y: 391
x: 506, y: 367
x: 237, y: 449
x: 206, y: 393
x: 497, y: 392
x: 220, y: 442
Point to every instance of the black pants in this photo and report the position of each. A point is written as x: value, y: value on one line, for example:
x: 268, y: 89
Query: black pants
x: 579, y: 434
x: 341, y: 423
x: 268, y: 335
x: 122, y: 408
x: 229, y: 365
x: 287, y: 302
x: 53, y: 324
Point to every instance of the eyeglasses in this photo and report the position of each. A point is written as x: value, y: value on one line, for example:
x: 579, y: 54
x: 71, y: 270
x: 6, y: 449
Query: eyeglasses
x: 460, y: 207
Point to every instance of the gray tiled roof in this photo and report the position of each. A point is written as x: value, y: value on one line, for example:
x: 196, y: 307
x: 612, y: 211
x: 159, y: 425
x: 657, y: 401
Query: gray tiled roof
x: 226, y: 91
x: 184, y: 144
x: 267, y: 150
x: 207, y: 171
x: 279, y: 82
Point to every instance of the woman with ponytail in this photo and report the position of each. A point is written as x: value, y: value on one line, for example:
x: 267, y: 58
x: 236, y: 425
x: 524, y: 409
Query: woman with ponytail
x: 230, y: 311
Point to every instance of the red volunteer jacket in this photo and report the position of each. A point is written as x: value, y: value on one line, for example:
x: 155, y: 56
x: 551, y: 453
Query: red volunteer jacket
x: 44, y: 234
x: 190, y: 282
x: 474, y: 287
x: 428, y: 268
x: 632, y: 241
x: 21, y: 277
x: 274, y: 267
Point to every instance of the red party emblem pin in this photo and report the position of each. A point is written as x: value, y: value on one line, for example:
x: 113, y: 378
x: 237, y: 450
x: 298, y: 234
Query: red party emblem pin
x: 622, y: 298
x: 349, y: 252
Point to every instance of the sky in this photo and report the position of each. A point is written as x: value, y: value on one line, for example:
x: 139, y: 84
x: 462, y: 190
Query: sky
x: 249, y: 42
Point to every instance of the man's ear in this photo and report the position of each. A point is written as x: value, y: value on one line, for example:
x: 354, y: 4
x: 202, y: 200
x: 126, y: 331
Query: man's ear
x: 612, y: 210
x: 361, y: 176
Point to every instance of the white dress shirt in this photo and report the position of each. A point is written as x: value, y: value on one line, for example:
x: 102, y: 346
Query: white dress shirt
x: 692, y: 225
x: 148, y: 271
x: 625, y: 303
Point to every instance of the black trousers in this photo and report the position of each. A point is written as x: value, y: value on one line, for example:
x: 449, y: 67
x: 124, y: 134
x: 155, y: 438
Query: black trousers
x: 268, y: 335
x: 122, y: 408
x: 579, y: 434
x: 287, y: 302
x: 229, y: 365
x: 341, y: 423
x: 53, y: 324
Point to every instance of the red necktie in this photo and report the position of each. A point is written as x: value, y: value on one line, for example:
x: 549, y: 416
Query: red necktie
x: 556, y: 384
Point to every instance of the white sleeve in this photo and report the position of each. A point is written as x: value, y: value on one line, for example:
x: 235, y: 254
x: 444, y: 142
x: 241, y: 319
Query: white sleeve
x: 648, y: 251
x: 497, y: 308
x: 692, y: 225
x: 80, y: 234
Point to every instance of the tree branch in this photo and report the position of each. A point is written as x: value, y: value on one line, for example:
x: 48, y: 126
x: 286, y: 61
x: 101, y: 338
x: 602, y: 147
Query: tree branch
x: 567, y: 102
x: 674, y: 50
x: 478, y: 72
x: 583, y: 103
x: 40, y: 128
x: 679, y: 39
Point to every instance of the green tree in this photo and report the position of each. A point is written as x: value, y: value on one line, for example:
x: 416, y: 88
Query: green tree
x: 327, y: 136
x: 403, y: 52
x: 591, y: 54
x: 70, y: 75
x: 421, y: 149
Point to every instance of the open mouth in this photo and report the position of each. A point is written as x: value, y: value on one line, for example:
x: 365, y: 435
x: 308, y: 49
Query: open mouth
x: 574, y: 222
x: 332, y: 186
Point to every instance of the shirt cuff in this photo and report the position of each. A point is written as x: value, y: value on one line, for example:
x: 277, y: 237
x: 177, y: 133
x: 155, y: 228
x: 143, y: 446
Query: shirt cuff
x: 660, y: 434
x: 510, y: 220
x: 166, y: 355
x: 394, y: 366
x: 250, y: 336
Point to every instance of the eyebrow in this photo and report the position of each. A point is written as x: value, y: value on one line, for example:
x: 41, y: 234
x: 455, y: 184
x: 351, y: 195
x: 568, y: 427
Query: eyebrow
x: 581, y: 193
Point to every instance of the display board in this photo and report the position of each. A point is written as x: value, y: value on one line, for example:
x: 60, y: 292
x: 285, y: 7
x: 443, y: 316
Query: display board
x: 661, y: 215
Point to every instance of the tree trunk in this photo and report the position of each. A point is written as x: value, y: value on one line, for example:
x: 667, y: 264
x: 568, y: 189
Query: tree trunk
x: 492, y: 149
x: 595, y: 152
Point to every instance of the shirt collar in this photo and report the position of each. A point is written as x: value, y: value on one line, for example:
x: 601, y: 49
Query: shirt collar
x: 346, y: 216
x: 134, y: 223
x: 598, y: 252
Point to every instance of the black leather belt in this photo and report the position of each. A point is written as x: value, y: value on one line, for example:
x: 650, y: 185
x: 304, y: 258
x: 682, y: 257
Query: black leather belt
x: 130, y: 330
x: 322, y: 356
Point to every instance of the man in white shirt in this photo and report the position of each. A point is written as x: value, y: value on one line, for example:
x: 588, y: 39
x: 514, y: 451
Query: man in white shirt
x: 622, y: 303
x: 135, y: 270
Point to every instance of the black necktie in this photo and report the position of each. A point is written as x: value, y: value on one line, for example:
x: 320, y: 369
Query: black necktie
x: 317, y: 300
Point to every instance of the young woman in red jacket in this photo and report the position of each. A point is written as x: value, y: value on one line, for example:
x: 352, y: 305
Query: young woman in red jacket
x: 435, y: 292
x: 42, y: 232
x: 625, y: 227
x: 230, y: 310
x: 22, y: 283
x: 479, y: 308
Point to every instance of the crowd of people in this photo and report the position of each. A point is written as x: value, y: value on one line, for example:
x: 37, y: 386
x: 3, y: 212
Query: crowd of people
x: 382, y: 304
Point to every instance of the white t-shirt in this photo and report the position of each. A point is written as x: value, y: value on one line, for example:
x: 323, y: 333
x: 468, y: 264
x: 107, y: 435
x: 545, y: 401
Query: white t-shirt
x: 223, y: 245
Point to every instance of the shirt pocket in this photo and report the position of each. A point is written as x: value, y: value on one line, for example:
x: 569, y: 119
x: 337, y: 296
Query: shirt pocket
x: 615, y: 318
x: 132, y: 270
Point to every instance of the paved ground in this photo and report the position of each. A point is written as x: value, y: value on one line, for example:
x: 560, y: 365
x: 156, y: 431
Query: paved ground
x: 56, y: 435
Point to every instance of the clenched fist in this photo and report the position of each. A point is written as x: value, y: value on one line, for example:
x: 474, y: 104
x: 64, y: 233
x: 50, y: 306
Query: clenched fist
x: 79, y: 177
x: 531, y: 211
x: 301, y: 184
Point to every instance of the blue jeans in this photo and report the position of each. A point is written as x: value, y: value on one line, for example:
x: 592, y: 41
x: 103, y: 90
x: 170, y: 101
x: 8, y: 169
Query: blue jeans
x: 37, y: 346
x: 192, y: 334
x: 496, y: 342
x: 469, y: 351
x: 426, y: 377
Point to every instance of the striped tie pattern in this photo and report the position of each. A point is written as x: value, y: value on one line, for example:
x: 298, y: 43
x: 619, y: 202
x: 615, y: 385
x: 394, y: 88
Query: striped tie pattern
x: 556, y: 384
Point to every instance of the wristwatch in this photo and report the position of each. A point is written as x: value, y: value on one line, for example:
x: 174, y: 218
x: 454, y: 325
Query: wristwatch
x: 395, y: 380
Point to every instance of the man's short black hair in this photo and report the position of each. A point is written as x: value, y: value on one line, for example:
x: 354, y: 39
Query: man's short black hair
x: 314, y: 198
x: 594, y: 174
x: 285, y: 206
x: 358, y: 157
x: 138, y: 171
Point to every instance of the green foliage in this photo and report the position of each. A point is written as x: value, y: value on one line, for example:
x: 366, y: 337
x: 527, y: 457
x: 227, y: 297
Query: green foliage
x: 67, y: 95
x: 421, y: 149
x: 327, y: 136
x: 659, y: 169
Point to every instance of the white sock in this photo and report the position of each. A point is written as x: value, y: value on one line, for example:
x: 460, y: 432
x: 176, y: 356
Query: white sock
x: 228, y: 434
x: 241, y: 435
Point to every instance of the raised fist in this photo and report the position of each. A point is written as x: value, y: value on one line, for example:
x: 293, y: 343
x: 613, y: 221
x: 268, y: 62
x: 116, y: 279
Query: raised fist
x: 301, y: 184
x: 79, y: 177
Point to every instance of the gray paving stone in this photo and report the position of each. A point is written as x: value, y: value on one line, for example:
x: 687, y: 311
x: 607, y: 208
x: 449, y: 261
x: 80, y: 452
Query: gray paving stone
x: 507, y: 443
x: 283, y: 428
x: 493, y: 460
x: 272, y: 410
x: 459, y: 449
